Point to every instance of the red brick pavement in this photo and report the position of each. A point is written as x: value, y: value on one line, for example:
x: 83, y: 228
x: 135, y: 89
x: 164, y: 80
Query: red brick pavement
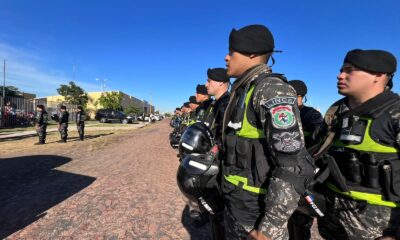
x: 126, y: 190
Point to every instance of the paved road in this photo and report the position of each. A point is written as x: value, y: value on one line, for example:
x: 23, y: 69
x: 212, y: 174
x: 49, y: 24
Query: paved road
x: 125, y: 189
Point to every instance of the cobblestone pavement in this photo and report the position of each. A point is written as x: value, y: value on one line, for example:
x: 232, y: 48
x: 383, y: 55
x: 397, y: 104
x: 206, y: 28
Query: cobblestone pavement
x: 124, y: 190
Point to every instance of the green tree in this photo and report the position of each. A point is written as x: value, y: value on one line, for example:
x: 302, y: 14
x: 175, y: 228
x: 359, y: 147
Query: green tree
x: 9, y: 91
x: 110, y: 100
x: 73, y: 94
x: 132, y: 109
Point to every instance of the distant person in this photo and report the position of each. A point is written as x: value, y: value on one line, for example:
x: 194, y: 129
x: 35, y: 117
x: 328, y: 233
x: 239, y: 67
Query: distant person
x: 80, y: 122
x: 41, y: 120
x: 63, y: 124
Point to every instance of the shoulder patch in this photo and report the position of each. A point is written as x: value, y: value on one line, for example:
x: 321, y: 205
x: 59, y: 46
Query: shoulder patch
x: 283, y: 117
x: 280, y: 100
x: 287, y: 142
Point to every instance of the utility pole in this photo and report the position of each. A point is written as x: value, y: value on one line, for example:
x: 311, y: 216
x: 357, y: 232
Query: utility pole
x: 4, y: 80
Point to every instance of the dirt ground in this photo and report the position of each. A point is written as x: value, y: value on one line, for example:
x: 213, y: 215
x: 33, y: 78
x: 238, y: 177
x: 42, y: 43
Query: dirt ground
x: 118, y: 184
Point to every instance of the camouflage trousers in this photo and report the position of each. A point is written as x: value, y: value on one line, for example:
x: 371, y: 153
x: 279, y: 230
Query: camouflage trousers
x: 348, y: 219
x: 81, y: 130
x: 41, y: 131
x: 283, y: 198
x: 63, y: 128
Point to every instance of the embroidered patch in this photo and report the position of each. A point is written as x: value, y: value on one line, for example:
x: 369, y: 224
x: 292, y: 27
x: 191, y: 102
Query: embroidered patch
x: 287, y: 142
x: 280, y: 100
x: 283, y: 117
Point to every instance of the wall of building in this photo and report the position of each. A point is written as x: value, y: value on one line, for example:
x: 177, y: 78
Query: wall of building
x: 126, y: 101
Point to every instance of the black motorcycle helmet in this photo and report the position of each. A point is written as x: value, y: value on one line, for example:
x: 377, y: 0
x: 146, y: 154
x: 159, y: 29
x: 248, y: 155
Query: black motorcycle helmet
x: 197, y: 180
x: 197, y: 138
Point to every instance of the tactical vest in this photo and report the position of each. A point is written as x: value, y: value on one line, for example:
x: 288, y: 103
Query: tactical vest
x: 370, y: 170
x: 245, y: 165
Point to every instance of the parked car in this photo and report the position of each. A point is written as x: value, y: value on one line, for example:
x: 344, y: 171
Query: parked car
x: 144, y: 118
x: 109, y: 115
x: 133, y: 118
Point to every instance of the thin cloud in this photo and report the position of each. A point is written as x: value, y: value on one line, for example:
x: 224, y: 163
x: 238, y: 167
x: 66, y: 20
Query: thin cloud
x: 24, y: 72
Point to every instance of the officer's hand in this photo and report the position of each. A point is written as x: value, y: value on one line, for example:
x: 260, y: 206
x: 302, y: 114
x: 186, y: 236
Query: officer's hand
x: 257, y: 235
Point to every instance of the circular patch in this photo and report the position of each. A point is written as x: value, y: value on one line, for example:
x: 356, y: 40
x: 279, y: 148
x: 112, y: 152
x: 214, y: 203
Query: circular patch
x: 282, y: 117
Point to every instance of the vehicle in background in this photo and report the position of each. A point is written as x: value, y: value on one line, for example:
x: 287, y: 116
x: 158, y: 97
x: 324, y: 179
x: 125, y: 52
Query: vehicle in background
x: 109, y: 115
x: 133, y: 118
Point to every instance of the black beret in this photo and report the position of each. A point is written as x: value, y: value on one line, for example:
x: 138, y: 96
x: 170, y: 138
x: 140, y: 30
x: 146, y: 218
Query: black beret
x: 218, y: 74
x: 177, y: 109
x: 63, y: 107
x: 372, y: 60
x: 201, y: 89
x: 192, y: 99
x: 251, y: 39
x: 299, y: 86
x: 186, y: 104
x: 80, y: 108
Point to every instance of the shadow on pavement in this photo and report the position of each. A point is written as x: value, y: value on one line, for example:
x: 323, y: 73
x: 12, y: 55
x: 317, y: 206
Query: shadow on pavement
x: 29, y: 186
x: 8, y: 139
x: 87, y: 137
x: 196, y: 233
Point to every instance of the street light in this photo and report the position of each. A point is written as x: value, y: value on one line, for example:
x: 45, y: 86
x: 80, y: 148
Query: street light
x: 102, y: 83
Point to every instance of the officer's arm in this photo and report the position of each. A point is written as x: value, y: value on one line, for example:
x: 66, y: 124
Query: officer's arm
x: 276, y: 106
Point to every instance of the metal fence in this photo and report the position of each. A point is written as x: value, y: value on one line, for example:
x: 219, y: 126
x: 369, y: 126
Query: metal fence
x: 20, y: 112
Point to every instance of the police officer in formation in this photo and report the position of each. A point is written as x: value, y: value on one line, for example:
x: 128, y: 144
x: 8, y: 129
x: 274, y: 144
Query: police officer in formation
x: 41, y: 120
x: 360, y: 146
x: 263, y: 128
x: 311, y: 118
x: 204, y: 100
x: 63, y: 124
x: 265, y: 166
x: 299, y: 224
x: 80, y: 122
x: 218, y: 87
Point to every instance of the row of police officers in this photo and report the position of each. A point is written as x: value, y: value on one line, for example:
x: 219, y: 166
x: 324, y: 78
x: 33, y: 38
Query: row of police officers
x: 41, y: 121
x: 262, y: 165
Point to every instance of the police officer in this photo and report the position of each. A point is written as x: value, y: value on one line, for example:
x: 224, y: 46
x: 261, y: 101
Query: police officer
x: 361, y: 148
x: 193, y: 105
x: 80, y: 122
x: 203, y: 111
x: 263, y: 141
x: 63, y: 124
x: 310, y: 117
x: 217, y: 86
x: 41, y: 120
x: 299, y: 224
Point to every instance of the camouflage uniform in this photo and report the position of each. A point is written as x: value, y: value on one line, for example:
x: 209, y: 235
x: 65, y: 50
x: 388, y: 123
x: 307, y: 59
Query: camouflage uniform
x: 264, y: 145
x: 346, y: 216
x: 41, y: 120
x: 63, y: 125
x: 80, y: 123
x: 299, y: 224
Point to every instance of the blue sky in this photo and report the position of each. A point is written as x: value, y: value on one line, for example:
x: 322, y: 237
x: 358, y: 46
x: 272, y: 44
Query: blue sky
x: 163, y: 48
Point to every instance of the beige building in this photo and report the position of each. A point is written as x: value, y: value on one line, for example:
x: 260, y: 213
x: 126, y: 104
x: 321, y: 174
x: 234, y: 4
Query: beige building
x: 127, y: 101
